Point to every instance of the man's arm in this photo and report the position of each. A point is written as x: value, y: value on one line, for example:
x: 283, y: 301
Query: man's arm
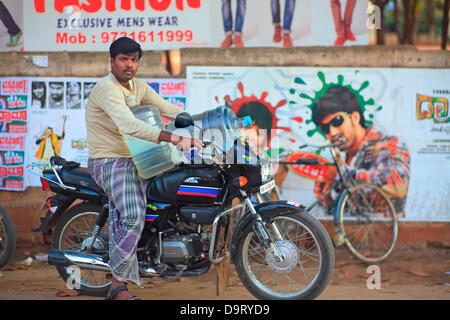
x: 184, y: 143
x: 112, y: 101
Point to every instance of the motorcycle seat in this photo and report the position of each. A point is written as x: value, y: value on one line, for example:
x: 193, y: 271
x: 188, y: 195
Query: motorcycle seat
x: 80, y: 177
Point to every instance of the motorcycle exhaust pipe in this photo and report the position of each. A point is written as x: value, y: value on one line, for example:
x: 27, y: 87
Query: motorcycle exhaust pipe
x: 88, y: 261
x: 80, y: 259
x: 91, y: 261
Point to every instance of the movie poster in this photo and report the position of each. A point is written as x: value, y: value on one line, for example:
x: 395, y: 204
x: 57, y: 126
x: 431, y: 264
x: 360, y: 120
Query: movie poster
x: 396, y: 130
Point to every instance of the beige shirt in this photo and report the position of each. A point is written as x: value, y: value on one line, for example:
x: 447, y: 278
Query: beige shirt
x: 107, y: 115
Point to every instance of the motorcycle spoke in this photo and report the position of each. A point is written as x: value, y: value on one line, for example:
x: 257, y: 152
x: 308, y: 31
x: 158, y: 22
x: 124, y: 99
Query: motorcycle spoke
x: 294, y: 285
x: 310, y: 255
x: 92, y: 277
x: 72, y: 246
x: 256, y: 251
x: 76, y: 233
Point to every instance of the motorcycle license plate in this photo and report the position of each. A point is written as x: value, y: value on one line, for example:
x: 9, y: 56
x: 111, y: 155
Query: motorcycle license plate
x: 267, y: 186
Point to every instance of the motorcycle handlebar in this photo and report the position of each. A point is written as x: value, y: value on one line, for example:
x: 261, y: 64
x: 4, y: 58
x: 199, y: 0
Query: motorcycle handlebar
x: 330, y: 145
x: 301, y: 161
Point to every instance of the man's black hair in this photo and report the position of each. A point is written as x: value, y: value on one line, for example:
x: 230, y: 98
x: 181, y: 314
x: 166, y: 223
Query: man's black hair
x: 125, y: 46
x: 259, y: 114
x: 337, y: 99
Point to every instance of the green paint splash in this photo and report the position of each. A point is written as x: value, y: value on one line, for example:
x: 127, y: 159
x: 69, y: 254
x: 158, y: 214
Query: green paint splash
x: 365, y: 105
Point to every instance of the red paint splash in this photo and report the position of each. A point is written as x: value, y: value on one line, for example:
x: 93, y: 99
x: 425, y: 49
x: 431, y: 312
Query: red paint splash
x: 298, y: 119
x: 237, y: 103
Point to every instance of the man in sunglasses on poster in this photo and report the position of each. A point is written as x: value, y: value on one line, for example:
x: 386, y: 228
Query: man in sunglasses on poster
x: 372, y: 156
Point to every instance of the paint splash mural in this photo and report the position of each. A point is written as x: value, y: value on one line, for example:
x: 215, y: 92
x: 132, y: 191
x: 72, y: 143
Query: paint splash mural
x: 298, y: 89
x: 367, y: 106
x: 236, y: 103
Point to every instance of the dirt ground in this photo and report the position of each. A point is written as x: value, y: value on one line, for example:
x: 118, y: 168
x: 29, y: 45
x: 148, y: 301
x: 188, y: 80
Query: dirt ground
x: 408, y: 274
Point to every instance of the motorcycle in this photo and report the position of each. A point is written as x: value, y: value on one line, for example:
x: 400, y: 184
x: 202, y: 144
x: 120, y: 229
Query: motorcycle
x: 7, y: 237
x: 279, y: 251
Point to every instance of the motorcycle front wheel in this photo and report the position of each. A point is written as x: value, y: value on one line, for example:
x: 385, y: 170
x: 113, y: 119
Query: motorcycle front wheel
x: 307, y: 265
x: 74, y: 232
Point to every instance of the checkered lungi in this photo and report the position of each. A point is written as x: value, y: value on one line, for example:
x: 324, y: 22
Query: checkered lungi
x: 127, y: 205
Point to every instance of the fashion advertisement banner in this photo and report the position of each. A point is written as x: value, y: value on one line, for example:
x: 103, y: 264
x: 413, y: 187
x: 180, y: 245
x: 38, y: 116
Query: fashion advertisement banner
x: 11, y: 26
x: 42, y: 117
x: 14, y: 119
x: 169, y: 24
x: 94, y: 25
x: 394, y: 122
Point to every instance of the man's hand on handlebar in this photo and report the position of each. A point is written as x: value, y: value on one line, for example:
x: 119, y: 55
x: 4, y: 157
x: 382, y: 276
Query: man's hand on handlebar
x: 185, y: 144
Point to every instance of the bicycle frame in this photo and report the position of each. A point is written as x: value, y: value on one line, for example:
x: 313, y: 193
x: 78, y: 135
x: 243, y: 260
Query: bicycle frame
x: 346, y: 182
x: 353, y: 204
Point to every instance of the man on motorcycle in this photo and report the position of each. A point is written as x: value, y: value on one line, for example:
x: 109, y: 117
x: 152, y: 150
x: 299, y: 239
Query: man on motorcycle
x: 108, y: 117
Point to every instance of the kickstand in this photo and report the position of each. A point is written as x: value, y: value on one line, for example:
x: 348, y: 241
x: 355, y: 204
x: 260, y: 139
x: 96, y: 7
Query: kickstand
x: 181, y: 268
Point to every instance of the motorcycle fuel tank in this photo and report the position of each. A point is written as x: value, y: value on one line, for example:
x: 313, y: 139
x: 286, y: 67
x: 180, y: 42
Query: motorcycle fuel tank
x: 185, y: 185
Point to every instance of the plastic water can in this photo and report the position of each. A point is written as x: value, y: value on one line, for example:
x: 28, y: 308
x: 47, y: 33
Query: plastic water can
x: 219, y: 125
x: 149, y: 158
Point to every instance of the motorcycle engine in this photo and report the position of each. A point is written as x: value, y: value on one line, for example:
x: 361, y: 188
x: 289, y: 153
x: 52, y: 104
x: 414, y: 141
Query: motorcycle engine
x: 183, y: 249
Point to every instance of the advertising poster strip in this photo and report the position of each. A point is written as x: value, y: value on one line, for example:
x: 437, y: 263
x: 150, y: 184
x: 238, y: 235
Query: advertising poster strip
x: 14, y: 119
x: 57, y: 116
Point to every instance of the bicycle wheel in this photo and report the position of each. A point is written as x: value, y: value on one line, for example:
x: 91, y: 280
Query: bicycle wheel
x: 7, y: 237
x: 368, y: 221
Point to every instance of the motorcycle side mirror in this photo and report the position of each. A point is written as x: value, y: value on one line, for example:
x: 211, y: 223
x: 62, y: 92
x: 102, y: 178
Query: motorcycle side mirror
x: 183, y: 120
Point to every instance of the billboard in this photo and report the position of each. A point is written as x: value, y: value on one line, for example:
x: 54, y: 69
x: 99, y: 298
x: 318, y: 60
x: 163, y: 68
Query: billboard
x: 396, y: 129
x: 76, y: 25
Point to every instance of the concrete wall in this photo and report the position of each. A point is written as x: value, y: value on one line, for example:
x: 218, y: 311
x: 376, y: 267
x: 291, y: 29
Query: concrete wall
x: 96, y: 64
x: 24, y: 206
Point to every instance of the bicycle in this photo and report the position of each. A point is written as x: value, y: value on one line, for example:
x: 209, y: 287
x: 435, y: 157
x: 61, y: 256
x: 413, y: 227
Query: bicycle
x: 365, y: 219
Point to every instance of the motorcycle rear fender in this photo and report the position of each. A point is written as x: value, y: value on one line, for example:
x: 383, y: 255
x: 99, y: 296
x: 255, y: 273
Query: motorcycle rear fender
x: 53, y: 214
x: 267, y: 210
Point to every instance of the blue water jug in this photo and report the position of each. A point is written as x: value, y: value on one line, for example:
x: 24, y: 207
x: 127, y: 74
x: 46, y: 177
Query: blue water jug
x: 219, y: 125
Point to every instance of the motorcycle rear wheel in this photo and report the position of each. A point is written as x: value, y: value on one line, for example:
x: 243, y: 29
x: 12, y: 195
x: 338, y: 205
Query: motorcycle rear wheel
x: 306, y: 269
x: 71, y: 233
